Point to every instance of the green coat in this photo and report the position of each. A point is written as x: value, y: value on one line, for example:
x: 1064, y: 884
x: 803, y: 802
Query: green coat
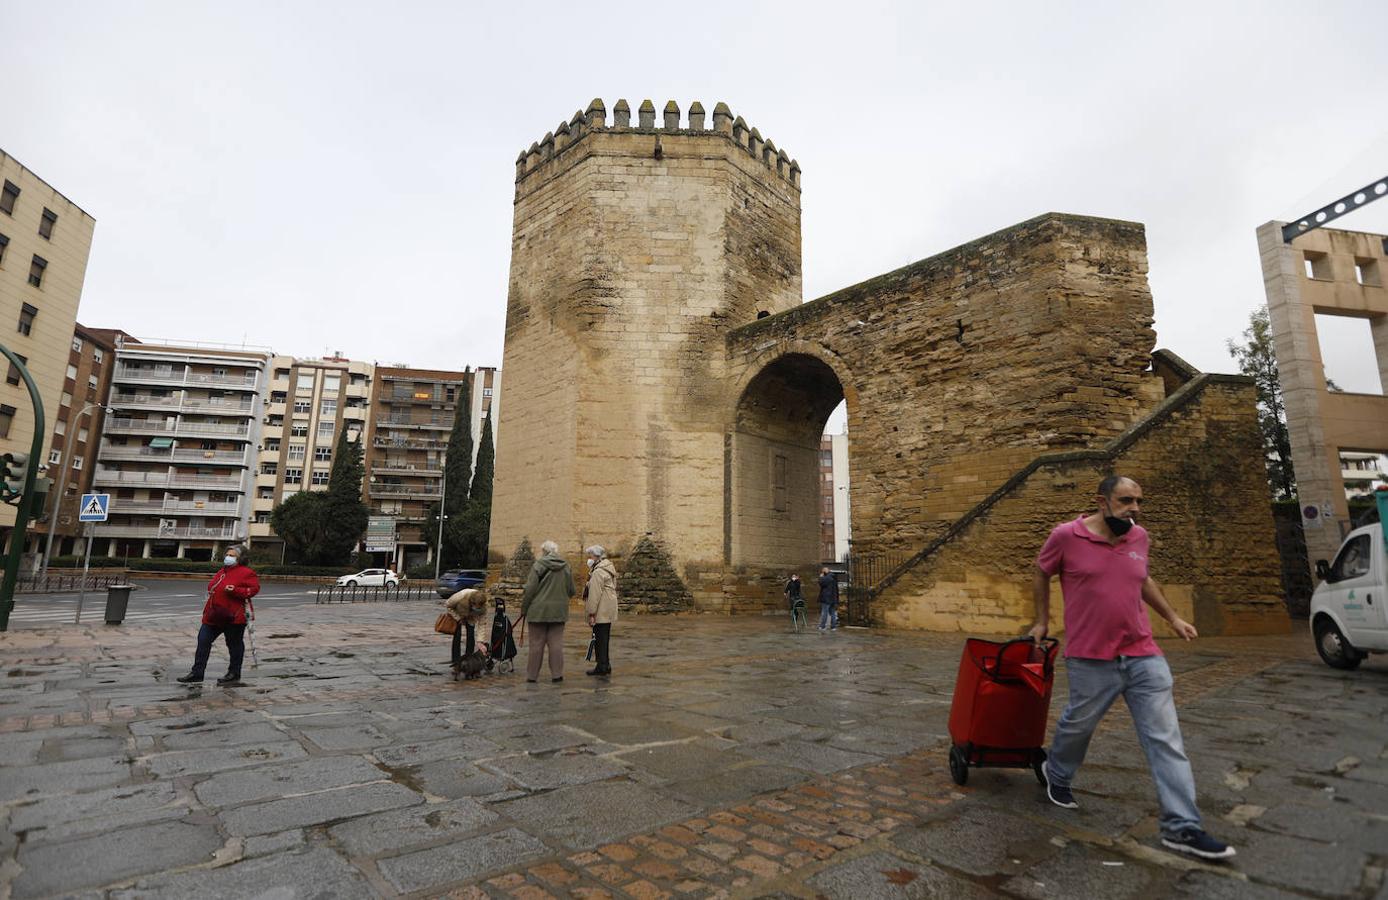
x: 548, y: 602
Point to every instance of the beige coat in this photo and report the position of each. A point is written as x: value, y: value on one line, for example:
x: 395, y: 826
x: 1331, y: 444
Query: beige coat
x: 602, y: 592
x: 467, y: 606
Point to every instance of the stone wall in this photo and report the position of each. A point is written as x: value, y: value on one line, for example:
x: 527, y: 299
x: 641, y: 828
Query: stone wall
x: 1207, y: 511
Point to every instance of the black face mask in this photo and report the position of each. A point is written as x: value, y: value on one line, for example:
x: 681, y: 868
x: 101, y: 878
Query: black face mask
x: 1118, y: 526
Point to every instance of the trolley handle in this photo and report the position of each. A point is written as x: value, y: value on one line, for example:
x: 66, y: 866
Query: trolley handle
x: 1049, y: 643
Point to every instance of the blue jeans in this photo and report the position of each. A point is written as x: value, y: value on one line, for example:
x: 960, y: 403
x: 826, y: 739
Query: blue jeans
x: 236, y: 647
x: 1144, y: 682
x: 828, y: 615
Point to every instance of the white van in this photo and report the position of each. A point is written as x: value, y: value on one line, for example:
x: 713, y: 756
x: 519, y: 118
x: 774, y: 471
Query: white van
x: 1349, y: 610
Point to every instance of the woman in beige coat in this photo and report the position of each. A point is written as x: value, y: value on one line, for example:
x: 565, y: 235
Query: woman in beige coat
x: 467, y: 607
x: 600, y: 602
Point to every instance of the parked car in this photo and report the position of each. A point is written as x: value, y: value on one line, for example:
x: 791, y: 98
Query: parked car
x: 371, y: 578
x: 454, y: 580
x: 1349, y: 609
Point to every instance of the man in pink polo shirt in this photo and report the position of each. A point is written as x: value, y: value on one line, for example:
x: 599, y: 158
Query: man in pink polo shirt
x: 1110, y: 652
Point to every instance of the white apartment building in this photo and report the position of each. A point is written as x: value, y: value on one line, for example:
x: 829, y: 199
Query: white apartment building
x: 178, y: 452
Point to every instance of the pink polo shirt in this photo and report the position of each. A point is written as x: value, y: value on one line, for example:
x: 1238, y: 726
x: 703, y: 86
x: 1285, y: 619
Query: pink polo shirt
x: 1104, y: 614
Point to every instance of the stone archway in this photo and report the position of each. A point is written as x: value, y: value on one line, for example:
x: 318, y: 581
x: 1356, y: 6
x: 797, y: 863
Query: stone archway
x: 773, y: 496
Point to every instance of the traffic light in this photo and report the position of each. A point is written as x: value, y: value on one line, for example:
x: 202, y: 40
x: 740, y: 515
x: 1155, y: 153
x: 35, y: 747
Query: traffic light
x: 14, y: 469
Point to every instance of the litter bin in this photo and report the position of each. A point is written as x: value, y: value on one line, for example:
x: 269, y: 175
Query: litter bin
x: 117, y: 598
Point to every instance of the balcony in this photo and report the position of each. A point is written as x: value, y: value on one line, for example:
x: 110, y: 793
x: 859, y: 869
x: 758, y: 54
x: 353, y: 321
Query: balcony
x: 180, y: 375
x: 170, y: 507
x: 201, y: 457
x: 165, y: 427
x: 164, y: 478
x: 143, y: 401
x: 444, y: 422
x: 165, y: 531
x: 409, y: 444
x: 205, y: 482
x: 216, y: 405
x: 403, y: 490
x: 420, y: 471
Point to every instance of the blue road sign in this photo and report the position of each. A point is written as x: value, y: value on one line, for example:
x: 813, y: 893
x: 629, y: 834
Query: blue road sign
x: 94, y: 507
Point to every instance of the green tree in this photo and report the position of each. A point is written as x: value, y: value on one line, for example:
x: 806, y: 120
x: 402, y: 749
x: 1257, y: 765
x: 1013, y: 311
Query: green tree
x: 1257, y: 360
x: 457, y: 479
x: 299, y: 522
x: 345, y: 513
x: 478, y: 517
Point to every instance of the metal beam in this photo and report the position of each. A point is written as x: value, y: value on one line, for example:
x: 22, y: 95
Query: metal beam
x: 1327, y: 214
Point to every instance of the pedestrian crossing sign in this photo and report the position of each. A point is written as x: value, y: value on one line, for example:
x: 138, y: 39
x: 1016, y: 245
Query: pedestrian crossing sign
x: 94, y: 507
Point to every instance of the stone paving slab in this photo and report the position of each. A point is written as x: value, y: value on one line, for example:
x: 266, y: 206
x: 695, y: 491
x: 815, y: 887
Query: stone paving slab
x: 791, y: 767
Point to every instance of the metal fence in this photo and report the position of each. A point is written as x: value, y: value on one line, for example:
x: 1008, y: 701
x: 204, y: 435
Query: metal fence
x: 355, y: 593
x: 865, y: 572
x: 62, y: 584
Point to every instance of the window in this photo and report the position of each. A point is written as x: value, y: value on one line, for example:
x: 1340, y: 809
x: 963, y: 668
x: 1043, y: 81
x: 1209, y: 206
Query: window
x: 4, y: 242
x: 97, y: 355
x: 91, y: 382
x: 65, y: 399
x: 8, y: 197
x: 331, y: 383
x: 50, y: 218
x: 298, y: 431
x: 269, y: 468
x: 278, y: 396
x: 296, y: 451
x: 77, y: 462
x: 329, y: 409
x: 60, y: 427
x: 304, y: 385
x: 281, y: 373
x: 55, y: 457
x: 13, y: 376
x: 320, y: 478
x: 82, y: 434
x: 294, y: 475
x: 272, y: 444
x: 26, y: 316
x: 322, y: 454
x: 1353, y: 560
x: 486, y: 392
x: 262, y: 518
x: 36, y: 268
x: 77, y: 345
x: 325, y: 429
x: 72, y: 371
x: 302, y: 406
x: 6, y: 415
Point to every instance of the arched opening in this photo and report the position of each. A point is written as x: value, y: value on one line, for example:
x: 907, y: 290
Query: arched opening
x: 778, y: 477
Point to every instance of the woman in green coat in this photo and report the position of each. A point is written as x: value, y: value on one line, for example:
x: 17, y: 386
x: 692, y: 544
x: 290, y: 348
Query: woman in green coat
x: 545, y: 606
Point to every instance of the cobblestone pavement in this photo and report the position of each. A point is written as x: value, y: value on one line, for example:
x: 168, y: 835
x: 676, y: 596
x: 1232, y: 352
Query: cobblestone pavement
x: 723, y: 758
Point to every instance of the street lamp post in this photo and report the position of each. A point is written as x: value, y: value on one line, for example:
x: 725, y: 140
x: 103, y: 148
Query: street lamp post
x: 64, y: 462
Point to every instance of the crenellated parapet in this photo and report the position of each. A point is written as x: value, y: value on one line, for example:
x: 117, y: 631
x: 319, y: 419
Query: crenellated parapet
x: 569, y: 134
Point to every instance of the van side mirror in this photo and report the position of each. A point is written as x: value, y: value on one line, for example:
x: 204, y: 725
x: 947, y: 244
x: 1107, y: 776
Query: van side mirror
x: 1322, y: 570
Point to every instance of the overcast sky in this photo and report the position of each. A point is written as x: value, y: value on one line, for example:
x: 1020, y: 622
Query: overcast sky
x: 339, y: 176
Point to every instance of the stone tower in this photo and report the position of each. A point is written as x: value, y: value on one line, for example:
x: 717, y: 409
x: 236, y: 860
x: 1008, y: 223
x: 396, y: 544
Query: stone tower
x: 636, y: 248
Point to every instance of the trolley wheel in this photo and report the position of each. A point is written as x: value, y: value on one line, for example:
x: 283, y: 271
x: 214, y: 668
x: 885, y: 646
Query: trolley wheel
x: 958, y: 765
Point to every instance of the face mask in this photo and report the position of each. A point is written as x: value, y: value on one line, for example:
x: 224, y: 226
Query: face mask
x: 1117, y: 525
x: 229, y: 561
x: 592, y: 562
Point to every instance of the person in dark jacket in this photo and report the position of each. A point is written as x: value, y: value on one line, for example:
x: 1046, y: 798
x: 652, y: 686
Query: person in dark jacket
x: 794, y: 591
x: 545, y: 606
x: 828, y: 601
x: 229, y: 596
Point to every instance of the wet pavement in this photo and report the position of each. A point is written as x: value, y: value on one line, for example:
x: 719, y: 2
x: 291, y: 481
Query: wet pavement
x: 723, y: 758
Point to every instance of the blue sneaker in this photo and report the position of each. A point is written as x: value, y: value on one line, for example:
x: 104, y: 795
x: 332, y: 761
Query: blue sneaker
x: 1197, y: 843
x: 1058, y: 794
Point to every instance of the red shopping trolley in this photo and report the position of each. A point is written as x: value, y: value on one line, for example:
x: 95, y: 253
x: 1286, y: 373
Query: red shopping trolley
x: 1001, y: 701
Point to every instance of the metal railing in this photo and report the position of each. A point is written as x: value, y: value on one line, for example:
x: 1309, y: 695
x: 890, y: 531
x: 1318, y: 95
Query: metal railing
x: 407, y: 422
x: 396, y: 468
x: 158, y: 531
x: 61, y: 584
x: 394, y: 490
x: 341, y: 593
x: 865, y: 572
x: 409, y: 443
x: 145, y: 454
x: 206, y: 508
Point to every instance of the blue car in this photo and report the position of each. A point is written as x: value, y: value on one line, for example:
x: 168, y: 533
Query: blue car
x: 454, y: 580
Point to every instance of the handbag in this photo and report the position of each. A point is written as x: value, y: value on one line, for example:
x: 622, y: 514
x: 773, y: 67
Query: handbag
x: 446, y: 624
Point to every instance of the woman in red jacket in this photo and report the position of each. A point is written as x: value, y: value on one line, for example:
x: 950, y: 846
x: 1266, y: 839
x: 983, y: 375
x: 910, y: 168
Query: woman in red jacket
x: 229, y: 596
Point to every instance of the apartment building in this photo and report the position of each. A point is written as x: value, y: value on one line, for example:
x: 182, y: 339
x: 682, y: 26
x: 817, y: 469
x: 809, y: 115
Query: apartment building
x: 76, y: 431
x: 45, y: 240
x: 311, y: 403
x: 1362, y: 472
x: 412, y: 414
x: 833, y: 497
x: 177, y: 455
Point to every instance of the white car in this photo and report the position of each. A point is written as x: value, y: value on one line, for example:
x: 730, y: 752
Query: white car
x: 371, y: 578
x: 1349, y: 610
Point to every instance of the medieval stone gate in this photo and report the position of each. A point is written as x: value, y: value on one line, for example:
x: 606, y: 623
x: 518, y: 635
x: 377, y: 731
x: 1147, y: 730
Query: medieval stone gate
x: 667, y: 386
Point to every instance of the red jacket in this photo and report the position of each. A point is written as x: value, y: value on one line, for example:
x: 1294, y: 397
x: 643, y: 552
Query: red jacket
x: 229, y: 607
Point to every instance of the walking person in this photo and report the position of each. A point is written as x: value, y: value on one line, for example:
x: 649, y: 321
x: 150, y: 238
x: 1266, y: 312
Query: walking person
x: 229, y: 596
x: 545, y: 606
x: 600, y: 602
x: 828, y: 601
x: 467, y: 607
x: 1101, y: 559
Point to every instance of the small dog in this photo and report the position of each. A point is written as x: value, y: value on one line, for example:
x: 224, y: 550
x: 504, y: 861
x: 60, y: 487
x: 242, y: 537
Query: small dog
x: 472, y: 665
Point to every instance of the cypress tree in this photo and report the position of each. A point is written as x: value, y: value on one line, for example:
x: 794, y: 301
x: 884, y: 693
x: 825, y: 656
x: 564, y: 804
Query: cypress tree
x: 345, y: 513
x: 479, y: 512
